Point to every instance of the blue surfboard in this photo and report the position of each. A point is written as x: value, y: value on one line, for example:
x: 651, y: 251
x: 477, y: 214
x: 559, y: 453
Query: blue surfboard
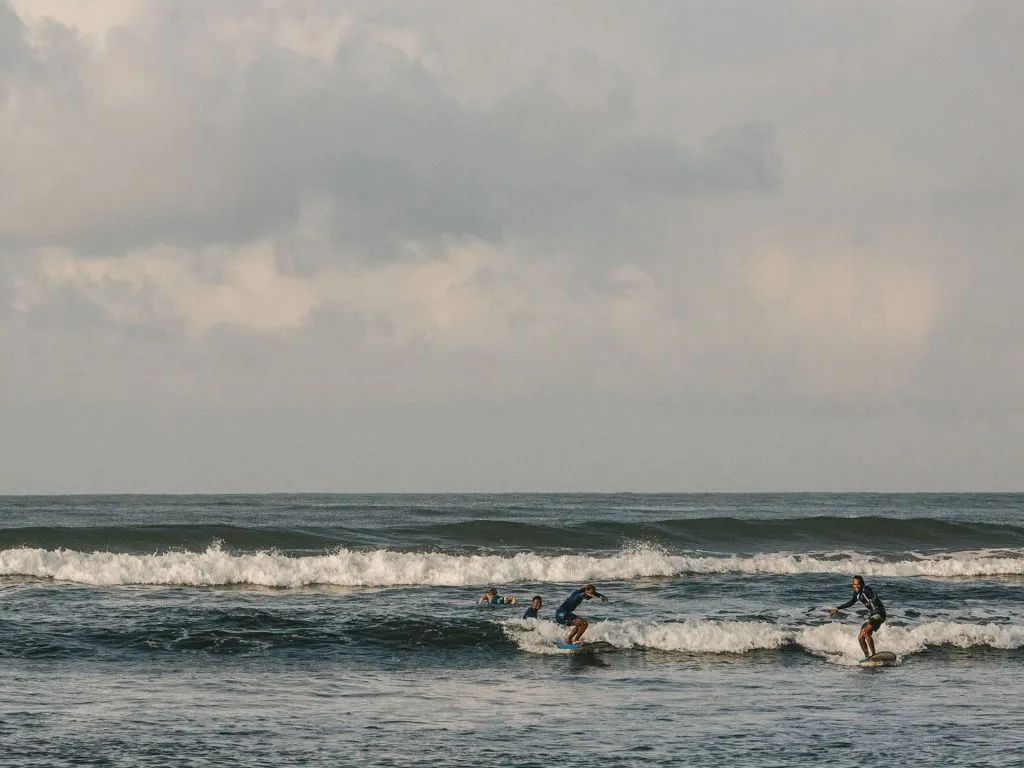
x: 594, y: 647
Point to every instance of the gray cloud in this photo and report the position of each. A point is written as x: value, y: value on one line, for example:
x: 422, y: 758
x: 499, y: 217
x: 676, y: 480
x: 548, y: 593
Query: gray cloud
x: 697, y: 246
x: 231, y: 154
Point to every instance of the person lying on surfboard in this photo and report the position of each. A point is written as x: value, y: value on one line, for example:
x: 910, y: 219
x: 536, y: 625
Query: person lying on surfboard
x: 876, y: 614
x: 491, y: 597
x: 535, y: 606
x: 565, y: 616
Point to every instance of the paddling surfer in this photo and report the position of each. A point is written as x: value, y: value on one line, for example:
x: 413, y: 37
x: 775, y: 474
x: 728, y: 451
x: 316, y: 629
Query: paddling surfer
x: 491, y: 597
x: 876, y: 614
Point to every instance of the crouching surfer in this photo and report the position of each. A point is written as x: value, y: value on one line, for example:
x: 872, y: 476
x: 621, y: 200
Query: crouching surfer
x: 876, y: 614
x: 565, y: 616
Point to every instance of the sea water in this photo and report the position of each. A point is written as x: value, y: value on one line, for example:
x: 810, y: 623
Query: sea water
x: 344, y: 630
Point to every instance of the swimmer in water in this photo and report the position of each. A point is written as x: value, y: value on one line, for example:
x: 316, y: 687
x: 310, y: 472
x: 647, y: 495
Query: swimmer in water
x: 491, y: 597
x: 535, y: 606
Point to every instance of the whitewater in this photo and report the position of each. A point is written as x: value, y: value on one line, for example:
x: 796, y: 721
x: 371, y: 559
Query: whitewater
x: 832, y: 640
x: 386, y: 568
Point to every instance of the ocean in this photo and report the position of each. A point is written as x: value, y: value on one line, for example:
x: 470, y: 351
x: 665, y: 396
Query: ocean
x: 336, y: 630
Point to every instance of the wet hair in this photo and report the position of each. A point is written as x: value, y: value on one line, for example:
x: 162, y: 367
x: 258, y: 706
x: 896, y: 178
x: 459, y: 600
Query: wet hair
x: 589, y: 587
x: 859, y: 578
x: 492, y: 591
x: 537, y: 597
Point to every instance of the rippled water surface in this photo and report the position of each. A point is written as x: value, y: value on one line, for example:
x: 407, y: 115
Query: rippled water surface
x: 344, y: 630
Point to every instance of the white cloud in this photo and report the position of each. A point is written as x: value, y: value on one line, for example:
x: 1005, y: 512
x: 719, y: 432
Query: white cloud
x: 849, y: 320
x: 164, y: 285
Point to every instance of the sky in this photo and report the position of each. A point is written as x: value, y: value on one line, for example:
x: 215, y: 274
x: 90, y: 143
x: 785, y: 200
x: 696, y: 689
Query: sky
x: 588, y: 246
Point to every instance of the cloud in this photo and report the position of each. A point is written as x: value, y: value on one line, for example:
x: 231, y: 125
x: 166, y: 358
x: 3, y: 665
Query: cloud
x: 694, y: 219
x: 162, y: 285
x: 852, y: 323
x: 14, y: 51
x: 186, y: 126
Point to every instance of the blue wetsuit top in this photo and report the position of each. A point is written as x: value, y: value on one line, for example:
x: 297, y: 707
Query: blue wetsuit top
x: 531, y: 613
x: 871, y: 601
x: 573, y: 601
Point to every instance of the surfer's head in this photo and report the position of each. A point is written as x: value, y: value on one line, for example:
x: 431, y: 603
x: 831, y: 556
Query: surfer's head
x: 858, y: 583
x: 590, y: 589
x: 537, y: 602
x: 492, y: 591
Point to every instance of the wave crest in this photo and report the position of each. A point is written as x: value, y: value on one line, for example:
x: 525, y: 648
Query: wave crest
x: 836, y: 642
x: 383, y: 568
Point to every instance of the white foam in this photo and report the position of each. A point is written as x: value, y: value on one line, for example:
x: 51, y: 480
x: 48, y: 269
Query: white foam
x: 379, y: 568
x: 694, y: 636
x: 835, y: 641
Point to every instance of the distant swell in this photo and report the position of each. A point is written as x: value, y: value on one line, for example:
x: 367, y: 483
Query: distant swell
x: 383, y: 568
x: 719, y: 534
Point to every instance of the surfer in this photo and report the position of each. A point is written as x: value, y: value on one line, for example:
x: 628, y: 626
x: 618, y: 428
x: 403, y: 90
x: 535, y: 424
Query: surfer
x: 535, y: 605
x: 565, y: 616
x: 491, y: 597
x: 876, y: 614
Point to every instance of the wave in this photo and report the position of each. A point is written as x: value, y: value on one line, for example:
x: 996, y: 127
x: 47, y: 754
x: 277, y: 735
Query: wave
x: 245, y: 634
x: 732, y: 534
x: 164, y: 538
x: 387, y: 568
x: 723, y: 534
x: 834, y: 641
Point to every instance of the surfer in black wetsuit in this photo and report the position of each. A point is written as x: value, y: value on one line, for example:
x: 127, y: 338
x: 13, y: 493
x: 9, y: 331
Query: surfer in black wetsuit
x: 535, y: 606
x: 565, y: 616
x: 876, y: 614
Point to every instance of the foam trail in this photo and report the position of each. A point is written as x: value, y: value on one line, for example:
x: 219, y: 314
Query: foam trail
x: 835, y: 641
x: 384, y: 567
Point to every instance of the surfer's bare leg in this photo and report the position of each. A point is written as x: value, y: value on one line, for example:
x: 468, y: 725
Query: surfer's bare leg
x: 867, y: 642
x: 578, y: 628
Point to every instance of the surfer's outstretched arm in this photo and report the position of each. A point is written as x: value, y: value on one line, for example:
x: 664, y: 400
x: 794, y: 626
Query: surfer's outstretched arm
x: 833, y: 611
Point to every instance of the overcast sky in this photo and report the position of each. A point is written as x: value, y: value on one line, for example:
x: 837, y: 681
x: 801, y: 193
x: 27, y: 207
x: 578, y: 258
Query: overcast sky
x: 340, y: 246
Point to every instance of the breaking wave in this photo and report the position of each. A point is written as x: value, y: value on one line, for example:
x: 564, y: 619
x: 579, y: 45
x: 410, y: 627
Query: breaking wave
x: 383, y: 567
x: 834, y: 641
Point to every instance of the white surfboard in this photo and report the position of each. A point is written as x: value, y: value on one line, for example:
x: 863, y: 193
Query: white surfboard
x: 880, y: 659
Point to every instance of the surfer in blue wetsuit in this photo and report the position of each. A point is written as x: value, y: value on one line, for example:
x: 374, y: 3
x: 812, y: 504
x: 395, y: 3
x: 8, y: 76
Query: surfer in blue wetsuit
x: 876, y: 613
x: 535, y: 606
x: 491, y: 597
x: 565, y: 616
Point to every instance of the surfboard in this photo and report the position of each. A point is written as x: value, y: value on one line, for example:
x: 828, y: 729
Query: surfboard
x: 599, y: 645
x: 880, y: 659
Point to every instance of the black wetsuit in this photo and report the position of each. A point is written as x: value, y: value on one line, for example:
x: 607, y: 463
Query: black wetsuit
x: 871, y: 601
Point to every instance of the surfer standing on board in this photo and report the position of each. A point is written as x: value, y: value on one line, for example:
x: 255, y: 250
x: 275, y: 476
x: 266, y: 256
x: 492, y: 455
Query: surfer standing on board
x: 876, y: 614
x: 565, y: 616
